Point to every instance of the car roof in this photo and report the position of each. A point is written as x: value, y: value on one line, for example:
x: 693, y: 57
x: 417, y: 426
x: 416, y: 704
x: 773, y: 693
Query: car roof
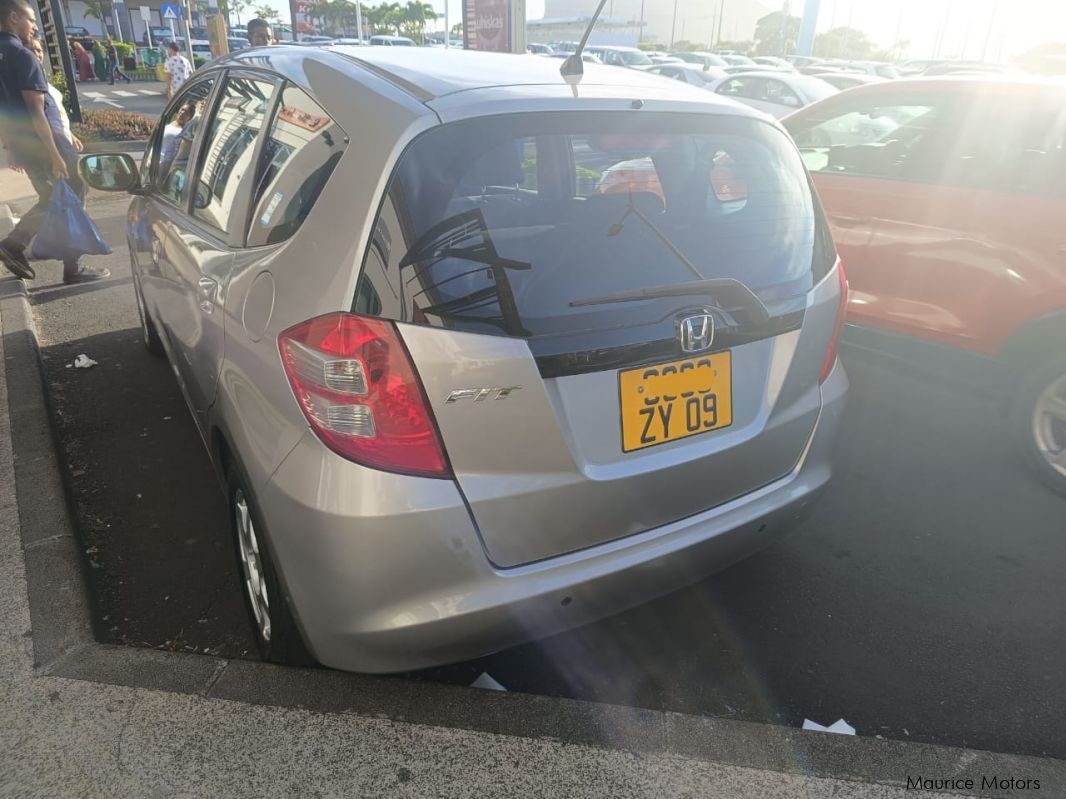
x: 432, y: 73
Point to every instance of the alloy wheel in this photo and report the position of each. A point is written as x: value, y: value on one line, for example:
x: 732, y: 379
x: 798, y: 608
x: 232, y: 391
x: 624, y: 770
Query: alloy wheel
x: 1049, y: 424
x: 252, y: 566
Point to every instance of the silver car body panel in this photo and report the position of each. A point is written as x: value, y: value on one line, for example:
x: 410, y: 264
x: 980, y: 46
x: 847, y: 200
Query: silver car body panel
x: 391, y: 576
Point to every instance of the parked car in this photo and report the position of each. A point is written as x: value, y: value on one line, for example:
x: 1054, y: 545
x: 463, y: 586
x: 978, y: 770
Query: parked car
x: 773, y: 61
x: 665, y: 59
x: 776, y: 93
x: 77, y: 31
x: 237, y: 43
x: 701, y: 58
x: 702, y: 77
x: 950, y: 221
x: 470, y: 399
x: 737, y: 69
x: 588, y: 58
x: 316, y: 39
x: 847, y: 80
x: 621, y: 56
x: 392, y: 41
x: 538, y: 49
x: 735, y: 60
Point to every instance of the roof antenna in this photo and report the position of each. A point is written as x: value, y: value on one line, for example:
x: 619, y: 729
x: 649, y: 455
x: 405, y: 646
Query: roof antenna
x: 573, y: 66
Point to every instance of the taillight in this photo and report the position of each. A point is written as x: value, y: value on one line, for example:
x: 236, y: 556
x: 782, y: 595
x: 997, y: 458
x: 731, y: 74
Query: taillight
x: 355, y: 383
x: 838, y: 324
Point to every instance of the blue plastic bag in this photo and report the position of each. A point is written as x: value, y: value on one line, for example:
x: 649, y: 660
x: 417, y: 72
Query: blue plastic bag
x: 66, y: 231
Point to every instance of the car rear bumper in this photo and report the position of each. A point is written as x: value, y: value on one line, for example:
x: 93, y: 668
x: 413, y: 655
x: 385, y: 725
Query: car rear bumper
x: 387, y: 573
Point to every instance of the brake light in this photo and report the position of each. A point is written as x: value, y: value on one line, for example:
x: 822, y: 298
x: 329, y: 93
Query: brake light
x: 838, y: 324
x: 355, y: 383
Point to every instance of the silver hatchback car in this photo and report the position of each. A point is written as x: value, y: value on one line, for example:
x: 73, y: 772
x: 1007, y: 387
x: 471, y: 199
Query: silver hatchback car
x: 482, y: 353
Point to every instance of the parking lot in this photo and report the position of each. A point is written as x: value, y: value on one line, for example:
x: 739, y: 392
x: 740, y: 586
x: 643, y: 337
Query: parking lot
x: 922, y: 601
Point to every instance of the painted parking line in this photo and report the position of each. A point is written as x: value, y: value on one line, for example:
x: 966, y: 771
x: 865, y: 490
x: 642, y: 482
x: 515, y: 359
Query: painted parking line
x: 124, y: 94
x: 150, y: 93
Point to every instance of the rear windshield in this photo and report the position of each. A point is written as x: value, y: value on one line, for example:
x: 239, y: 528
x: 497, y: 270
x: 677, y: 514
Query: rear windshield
x: 498, y: 225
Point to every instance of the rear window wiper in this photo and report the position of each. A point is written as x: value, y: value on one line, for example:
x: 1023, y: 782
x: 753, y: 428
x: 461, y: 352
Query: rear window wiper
x: 729, y: 295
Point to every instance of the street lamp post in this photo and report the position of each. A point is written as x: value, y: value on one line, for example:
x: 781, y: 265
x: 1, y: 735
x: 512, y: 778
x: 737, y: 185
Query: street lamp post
x: 673, y: 26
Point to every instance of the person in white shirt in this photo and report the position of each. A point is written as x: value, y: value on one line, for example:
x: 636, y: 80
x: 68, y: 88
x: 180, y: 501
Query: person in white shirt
x: 54, y: 111
x: 178, y: 67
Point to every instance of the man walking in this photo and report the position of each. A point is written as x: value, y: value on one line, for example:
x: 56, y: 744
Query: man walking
x: 259, y: 33
x: 113, y: 70
x: 29, y: 138
x: 178, y: 67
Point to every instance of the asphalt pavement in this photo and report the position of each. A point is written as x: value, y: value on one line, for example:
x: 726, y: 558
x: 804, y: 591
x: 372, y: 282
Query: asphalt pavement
x: 138, y: 97
x: 922, y: 601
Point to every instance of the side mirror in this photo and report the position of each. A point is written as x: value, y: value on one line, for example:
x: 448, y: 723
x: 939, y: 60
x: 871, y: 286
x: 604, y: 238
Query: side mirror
x: 110, y: 172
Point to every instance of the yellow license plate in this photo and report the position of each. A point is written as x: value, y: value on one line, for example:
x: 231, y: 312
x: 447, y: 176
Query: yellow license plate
x: 675, y: 400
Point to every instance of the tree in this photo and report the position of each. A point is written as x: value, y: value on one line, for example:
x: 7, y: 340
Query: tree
x: 268, y: 13
x: 457, y: 29
x: 415, y: 16
x: 777, y: 34
x: 237, y: 7
x: 99, y: 9
x: 843, y: 43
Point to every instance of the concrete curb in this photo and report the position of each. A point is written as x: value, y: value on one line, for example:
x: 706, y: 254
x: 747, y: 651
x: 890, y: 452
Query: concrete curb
x: 64, y: 647
x: 58, y: 593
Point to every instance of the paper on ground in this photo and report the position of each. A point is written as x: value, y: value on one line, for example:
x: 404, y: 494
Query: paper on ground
x: 83, y: 361
x: 485, y: 681
x: 840, y: 727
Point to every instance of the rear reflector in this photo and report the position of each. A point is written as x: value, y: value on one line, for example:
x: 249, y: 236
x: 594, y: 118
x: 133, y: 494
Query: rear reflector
x: 355, y: 383
x: 838, y: 324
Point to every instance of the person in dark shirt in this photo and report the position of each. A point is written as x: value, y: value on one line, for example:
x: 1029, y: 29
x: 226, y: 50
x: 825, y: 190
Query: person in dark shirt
x: 113, y: 70
x: 29, y: 139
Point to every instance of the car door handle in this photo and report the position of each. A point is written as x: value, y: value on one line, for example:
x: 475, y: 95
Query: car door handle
x: 208, y: 292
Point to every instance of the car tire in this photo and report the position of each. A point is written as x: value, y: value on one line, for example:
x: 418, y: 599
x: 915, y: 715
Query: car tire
x: 1038, y: 422
x: 274, y: 627
x: 149, y: 335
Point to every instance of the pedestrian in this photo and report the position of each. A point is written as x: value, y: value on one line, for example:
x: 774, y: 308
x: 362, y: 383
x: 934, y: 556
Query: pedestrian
x: 178, y: 67
x: 99, y: 61
x: 46, y: 156
x: 260, y: 33
x: 113, y: 69
x: 84, y: 62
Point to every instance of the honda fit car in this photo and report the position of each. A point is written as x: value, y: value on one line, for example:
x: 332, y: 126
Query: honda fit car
x: 458, y: 396
x: 947, y: 199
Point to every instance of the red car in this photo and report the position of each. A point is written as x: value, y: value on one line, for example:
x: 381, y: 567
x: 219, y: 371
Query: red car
x: 947, y: 200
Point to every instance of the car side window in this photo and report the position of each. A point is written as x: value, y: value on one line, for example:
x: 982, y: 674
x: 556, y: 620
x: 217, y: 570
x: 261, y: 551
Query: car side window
x: 301, y: 150
x: 174, y: 144
x: 740, y: 87
x: 775, y: 91
x: 1035, y: 149
x: 890, y: 139
x: 228, y: 165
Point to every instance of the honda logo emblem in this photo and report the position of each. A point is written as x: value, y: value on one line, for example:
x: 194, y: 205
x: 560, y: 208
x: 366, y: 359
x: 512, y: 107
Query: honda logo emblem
x: 695, y: 332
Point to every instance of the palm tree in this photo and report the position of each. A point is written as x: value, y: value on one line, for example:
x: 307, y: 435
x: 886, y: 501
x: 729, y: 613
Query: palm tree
x: 237, y: 6
x: 415, y: 16
x: 98, y: 9
x: 266, y: 12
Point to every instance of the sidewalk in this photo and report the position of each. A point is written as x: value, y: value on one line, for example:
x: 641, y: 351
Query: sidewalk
x: 194, y: 726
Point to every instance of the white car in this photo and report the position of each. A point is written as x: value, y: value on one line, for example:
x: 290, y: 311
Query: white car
x: 776, y: 93
x: 392, y: 41
x: 691, y: 74
x: 621, y: 56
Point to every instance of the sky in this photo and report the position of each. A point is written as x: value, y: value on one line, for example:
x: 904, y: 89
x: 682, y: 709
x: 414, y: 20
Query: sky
x: 964, y: 28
